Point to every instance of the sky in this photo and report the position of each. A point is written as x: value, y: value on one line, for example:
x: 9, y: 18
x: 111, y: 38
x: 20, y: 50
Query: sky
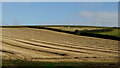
x: 60, y: 13
x: 60, y: 0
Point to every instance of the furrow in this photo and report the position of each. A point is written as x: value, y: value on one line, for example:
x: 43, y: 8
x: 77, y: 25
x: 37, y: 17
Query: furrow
x: 34, y: 49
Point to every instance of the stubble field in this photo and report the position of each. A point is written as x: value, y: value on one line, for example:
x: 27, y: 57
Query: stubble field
x: 49, y: 46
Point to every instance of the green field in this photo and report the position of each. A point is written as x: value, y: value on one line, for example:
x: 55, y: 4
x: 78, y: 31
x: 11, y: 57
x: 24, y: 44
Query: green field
x: 114, y: 32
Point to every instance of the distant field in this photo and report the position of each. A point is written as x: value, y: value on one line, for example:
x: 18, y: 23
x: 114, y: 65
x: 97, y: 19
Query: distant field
x: 114, y: 32
x: 75, y: 28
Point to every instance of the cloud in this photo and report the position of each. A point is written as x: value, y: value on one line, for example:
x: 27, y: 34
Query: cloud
x: 100, y: 18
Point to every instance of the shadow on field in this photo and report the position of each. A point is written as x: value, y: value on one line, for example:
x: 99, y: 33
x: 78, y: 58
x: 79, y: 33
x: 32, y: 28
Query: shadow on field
x: 89, y: 33
x: 33, y: 64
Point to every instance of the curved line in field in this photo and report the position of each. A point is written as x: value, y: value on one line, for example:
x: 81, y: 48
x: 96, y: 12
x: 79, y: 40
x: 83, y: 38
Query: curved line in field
x: 7, y: 54
x: 61, y: 54
x: 13, y: 53
x: 7, y: 51
x: 51, y: 47
x: 74, y: 47
x: 68, y: 57
x: 61, y: 46
x: 71, y: 45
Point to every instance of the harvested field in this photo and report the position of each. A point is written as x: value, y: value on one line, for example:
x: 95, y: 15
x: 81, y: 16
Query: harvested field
x: 74, y: 28
x: 49, y: 46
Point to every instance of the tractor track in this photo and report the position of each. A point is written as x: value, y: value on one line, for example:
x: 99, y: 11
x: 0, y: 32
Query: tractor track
x: 68, y: 46
x: 35, y: 49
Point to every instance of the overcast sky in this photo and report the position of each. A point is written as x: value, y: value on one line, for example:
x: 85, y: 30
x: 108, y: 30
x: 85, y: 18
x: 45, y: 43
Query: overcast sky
x: 55, y: 13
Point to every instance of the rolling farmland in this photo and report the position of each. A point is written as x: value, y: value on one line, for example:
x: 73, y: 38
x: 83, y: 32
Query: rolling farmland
x: 69, y: 28
x: 49, y: 46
